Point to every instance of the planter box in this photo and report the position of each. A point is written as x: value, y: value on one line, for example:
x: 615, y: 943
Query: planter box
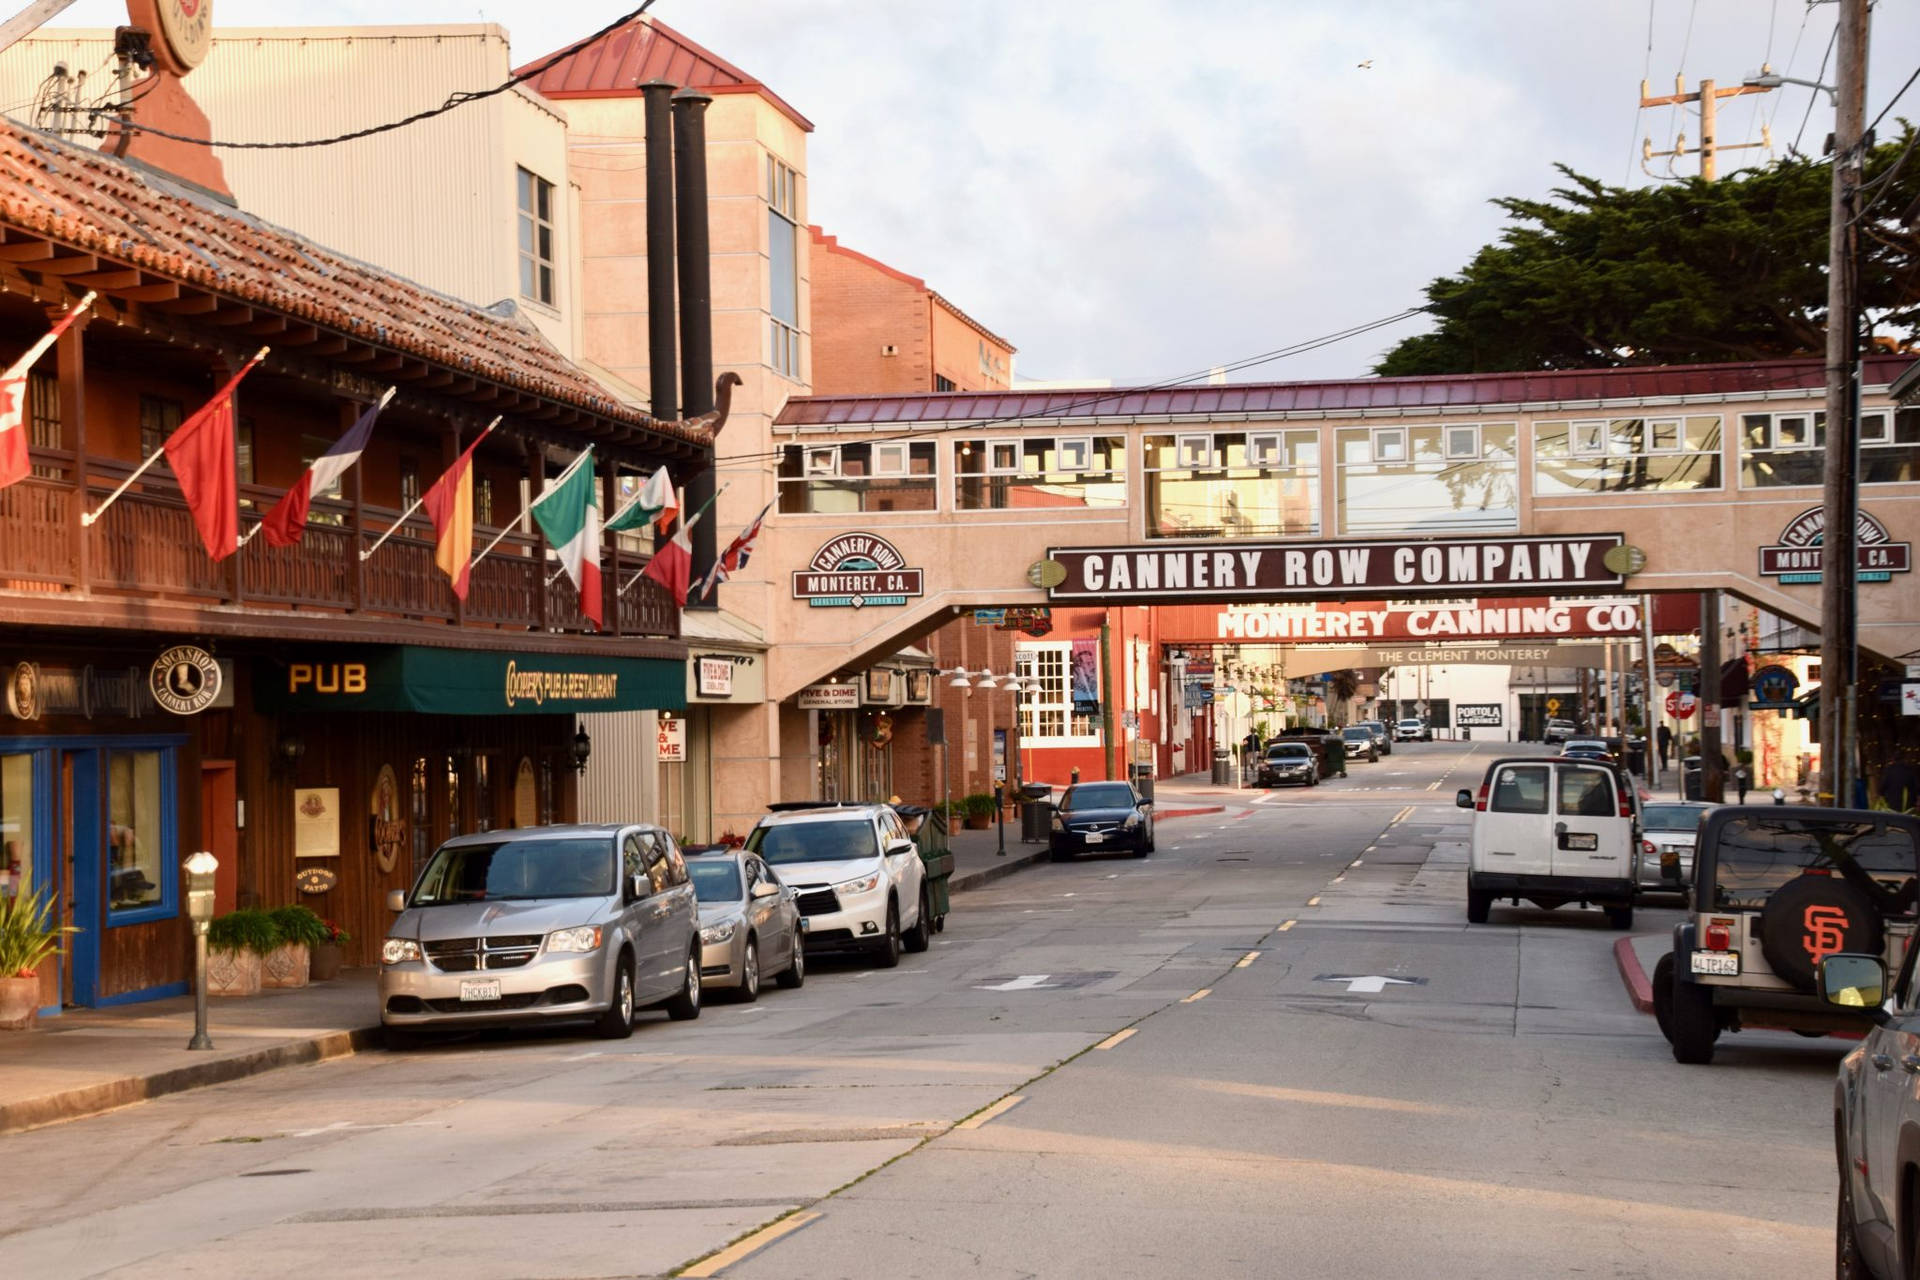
x: 285, y: 966
x: 324, y: 964
x: 979, y: 821
x: 19, y: 1003
x: 233, y: 973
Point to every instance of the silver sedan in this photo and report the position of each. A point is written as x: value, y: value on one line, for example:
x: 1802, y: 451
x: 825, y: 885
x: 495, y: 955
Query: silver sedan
x: 749, y: 923
x: 1668, y: 831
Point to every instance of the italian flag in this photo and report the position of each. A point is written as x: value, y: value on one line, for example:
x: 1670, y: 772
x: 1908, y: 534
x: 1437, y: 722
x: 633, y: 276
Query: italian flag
x: 569, y: 514
x: 655, y: 502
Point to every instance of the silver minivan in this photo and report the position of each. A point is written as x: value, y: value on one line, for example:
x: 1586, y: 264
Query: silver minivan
x: 543, y: 924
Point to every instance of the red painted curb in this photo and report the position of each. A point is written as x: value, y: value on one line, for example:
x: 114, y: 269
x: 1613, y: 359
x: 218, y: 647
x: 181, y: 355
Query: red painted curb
x: 1639, y: 990
x: 1188, y: 813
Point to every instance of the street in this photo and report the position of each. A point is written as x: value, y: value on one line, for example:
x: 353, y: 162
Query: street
x: 1274, y: 1047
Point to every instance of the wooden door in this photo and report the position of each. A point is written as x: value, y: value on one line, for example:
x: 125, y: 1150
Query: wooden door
x: 220, y: 829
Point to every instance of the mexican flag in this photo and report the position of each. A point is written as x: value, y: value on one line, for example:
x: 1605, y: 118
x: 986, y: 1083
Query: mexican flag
x: 569, y: 514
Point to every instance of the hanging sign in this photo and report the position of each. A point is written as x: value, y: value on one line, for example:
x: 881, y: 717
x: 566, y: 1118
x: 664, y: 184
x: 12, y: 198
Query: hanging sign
x: 673, y: 741
x: 1797, y: 558
x: 1773, y: 689
x: 855, y: 570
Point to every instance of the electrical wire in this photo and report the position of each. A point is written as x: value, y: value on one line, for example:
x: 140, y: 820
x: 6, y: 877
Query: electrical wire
x: 1793, y: 54
x: 1896, y: 97
x: 1646, y: 74
x: 1813, y: 95
x: 459, y: 99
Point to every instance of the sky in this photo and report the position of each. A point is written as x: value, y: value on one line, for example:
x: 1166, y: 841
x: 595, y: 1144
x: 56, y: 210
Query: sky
x: 1141, y: 190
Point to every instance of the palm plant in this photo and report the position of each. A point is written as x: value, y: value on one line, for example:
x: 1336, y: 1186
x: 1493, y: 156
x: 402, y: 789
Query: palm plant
x: 27, y: 934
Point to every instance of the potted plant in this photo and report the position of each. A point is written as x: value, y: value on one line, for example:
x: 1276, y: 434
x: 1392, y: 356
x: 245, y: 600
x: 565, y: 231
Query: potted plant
x: 289, y: 964
x: 27, y: 937
x: 979, y: 810
x: 328, y: 954
x: 236, y: 944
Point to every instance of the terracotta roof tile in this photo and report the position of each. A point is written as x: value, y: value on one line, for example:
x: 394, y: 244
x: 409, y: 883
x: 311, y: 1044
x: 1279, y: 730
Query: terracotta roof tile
x: 105, y: 206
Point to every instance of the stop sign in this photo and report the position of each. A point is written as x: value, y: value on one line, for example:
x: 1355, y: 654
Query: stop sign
x: 1680, y: 705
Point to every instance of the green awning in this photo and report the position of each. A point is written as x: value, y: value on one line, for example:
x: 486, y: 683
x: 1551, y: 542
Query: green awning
x: 467, y: 682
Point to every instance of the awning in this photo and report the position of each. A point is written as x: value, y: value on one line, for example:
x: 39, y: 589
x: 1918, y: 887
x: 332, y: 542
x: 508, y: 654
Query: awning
x: 467, y: 682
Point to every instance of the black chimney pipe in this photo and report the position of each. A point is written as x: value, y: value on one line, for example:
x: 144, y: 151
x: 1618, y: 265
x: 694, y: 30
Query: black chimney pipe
x: 696, y: 306
x: 663, y: 362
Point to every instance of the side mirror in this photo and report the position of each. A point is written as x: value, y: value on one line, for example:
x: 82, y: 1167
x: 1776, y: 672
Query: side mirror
x: 899, y: 846
x: 1853, y: 982
x: 1463, y: 799
x: 638, y: 886
x: 396, y: 899
x: 766, y: 890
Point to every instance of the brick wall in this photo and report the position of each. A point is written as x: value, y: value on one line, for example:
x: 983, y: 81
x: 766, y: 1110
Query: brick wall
x: 861, y: 307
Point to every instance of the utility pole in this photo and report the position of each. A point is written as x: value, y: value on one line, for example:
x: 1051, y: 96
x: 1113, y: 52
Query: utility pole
x: 1713, y: 764
x: 1839, y: 652
x: 1709, y: 99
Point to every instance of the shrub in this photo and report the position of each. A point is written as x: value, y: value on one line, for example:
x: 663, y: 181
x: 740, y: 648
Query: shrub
x: 978, y: 805
x: 27, y: 934
x: 249, y: 929
x: 299, y: 925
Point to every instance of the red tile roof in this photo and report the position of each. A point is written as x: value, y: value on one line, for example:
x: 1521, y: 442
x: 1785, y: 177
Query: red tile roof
x: 1563, y: 387
x: 618, y: 63
x: 104, y: 206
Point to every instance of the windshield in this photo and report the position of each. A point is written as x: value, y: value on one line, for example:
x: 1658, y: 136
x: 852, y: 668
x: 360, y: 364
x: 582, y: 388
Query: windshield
x: 1356, y: 734
x: 513, y: 869
x: 1409, y: 724
x: 1755, y: 856
x: 1290, y: 751
x: 1102, y: 795
x: 793, y: 842
x: 1673, y: 817
x: 715, y: 881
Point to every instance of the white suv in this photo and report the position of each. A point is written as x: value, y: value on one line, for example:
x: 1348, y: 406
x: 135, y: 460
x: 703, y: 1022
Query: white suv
x: 861, y: 884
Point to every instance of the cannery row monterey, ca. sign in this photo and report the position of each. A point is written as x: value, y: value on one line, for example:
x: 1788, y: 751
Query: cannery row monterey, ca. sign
x: 1257, y: 571
x: 855, y: 570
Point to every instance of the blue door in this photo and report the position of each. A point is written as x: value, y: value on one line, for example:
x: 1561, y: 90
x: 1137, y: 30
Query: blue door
x: 86, y: 874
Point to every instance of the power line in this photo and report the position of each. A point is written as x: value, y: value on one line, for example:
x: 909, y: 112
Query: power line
x: 1896, y: 97
x: 1813, y: 95
x: 454, y: 100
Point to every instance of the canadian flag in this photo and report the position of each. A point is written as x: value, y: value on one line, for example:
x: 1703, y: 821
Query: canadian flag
x: 14, y: 466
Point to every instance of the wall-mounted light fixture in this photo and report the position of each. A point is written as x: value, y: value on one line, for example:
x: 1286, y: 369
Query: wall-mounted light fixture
x: 582, y: 749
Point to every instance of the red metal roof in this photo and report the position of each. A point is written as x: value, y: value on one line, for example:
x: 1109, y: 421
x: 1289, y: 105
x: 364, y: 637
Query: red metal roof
x: 618, y: 63
x: 1558, y: 386
x: 96, y: 203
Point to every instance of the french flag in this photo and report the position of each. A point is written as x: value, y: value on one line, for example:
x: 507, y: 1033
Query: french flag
x: 286, y: 524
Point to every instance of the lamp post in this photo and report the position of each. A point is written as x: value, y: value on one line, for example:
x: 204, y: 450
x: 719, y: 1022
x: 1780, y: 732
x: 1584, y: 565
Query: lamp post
x: 200, y: 868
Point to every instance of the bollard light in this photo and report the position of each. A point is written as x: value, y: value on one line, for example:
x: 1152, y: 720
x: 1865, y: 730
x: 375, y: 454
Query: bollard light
x: 200, y: 868
x: 1779, y: 796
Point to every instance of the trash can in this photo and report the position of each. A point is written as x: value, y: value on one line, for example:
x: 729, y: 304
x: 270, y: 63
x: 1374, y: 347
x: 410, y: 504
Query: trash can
x: 1036, y: 812
x: 1466, y: 734
x: 929, y: 830
x: 1142, y: 778
x: 1692, y: 785
x: 1222, y: 767
x: 1635, y: 757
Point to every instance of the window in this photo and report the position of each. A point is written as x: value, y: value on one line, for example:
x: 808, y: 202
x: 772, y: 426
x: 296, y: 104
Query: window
x: 536, y: 237
x: 890, y: 459
x: 1233, y: 485
x: 1195, y: 452
x: 16, y: 826
x: 139, y: 860
x: 1040, y: 471
x: 311, y: 447
x: 1463, y: 442
x: 1585, y: 793
x: 1391, y: 446
x: 158, y: 417
x: 1265, y: 450
x: 409, y: 481
x: 1077, y: 454
x: 1626, y: 455
x: 1781, y: 449
x: 482, y: 500
x: 783, y: 267
x: 243, y: 452
x: 1520, y: 789
x: 633, y: 862
x: 1421, y: 478
x: 453, y: 796
x: 482, y: 794
x: 422, y: 817
x: 941, y: 382
x: 1048, y: 716
x: 45, y: 430
x: 823, y: 460
x: 893, y: 475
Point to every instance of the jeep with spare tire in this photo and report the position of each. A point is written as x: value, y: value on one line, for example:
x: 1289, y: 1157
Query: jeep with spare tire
x: 1775, y: 890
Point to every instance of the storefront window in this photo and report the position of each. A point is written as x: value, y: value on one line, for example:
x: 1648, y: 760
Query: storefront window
x: 546, y: 793
x: 482, y: 795
x: 453, y: 796
x: 1053, y: 716
x: 422, y: 811
x: 1233, y: 484
x: 16, y: 825
x: 136, y: 835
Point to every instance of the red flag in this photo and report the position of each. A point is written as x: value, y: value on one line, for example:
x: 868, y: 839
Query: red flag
x: 450, y: 505
x: 201, y: 453
x: 672, y: 565
x: 13, y: 399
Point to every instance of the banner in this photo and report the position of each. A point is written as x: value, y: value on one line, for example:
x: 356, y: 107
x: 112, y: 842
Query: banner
x: 1085, y: 674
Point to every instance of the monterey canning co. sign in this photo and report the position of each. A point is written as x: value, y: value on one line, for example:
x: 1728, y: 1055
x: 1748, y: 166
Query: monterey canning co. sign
x: 1251, y: 572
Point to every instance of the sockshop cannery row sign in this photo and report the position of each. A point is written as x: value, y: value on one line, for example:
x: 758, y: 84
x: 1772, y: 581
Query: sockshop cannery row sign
x: 1250, y: 572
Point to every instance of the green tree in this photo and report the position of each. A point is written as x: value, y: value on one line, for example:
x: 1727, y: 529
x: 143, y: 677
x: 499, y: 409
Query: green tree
x: 1600, y: 276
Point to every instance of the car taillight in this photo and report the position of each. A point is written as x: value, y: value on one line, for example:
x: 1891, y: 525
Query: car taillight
x: 1480, y: 803
x: 1626, y: 801
x: 1719, y: 937
x: 1646, y: 847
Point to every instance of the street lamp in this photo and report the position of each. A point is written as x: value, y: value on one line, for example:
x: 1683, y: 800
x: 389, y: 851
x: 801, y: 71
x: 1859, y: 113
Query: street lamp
x: 1773, y: 80
x: 582, y: 748
x: 959, y: 675
x: 200, y: 868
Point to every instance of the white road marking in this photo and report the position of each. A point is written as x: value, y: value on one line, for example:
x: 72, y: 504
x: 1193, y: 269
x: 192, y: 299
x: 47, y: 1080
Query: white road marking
x: 342, y: 1126
x: 1370, y: 984
x: 1025, y: 982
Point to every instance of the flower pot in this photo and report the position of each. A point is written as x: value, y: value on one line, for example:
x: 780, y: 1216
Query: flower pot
x: 233, y: 973
x: 324, y: 964
x: 979, y: 821
x: 19, y: 1003
x: 285, y: 966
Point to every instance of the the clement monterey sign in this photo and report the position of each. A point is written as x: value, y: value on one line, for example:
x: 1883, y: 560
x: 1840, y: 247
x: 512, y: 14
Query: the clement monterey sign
x: 855, y: 570
x: 1255, y: 571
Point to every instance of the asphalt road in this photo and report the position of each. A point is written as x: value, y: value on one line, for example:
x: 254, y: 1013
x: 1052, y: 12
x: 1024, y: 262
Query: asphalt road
x: 1274, y: 1048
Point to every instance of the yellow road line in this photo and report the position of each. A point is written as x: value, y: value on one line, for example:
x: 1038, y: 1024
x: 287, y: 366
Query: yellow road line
x: 1342, y: 876
x: 1201, y: 994
x: 1356, y: 862
x: 1288, y: 925
x: 1246, y: 959
x: 993, y: 1112
x: 1116, y: 1038
x: 714, y: 1263
x: 1314, y: 901
x: 1402, y: 815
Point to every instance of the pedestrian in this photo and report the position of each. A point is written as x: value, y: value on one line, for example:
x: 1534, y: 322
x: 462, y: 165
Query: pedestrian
x: 1665, y: 737
x: 1898, y: 784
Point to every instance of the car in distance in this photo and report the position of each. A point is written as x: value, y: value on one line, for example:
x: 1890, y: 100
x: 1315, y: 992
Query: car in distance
x: 543, y: 924
x: 1559, y: 731
x: 1589, y: 749
x: 1361, y: 744
x: 1099, y: 816
x: 1382, y: 736
x: 1288, y: 762
x: 1412, y: 730
x: 1553, y: 830
x: 749, y: 923
x: 860, y: 881
x: 1668, y: 831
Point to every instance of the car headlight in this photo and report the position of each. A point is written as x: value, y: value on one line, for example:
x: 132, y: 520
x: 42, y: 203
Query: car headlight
x: 863, y: 885
x: 715, y: 934
x: 1133, y: 820
x: 584, y: 938
x: 1057, y: 824
x: 399, y: 951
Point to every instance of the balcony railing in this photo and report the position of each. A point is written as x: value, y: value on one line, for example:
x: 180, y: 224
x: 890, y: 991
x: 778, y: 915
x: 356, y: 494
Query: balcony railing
x: 146, y: 544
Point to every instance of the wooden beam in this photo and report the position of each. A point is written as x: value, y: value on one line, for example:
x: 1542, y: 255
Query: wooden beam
x: 268, y: 327
x: 299, y: 335
x: 164, y: 291
x: 232, y: 316
x: 26, y: 251
x: 356, y: 355
x: 387, y: 364
x: 73, y: 266
x: 438, y: 378
x: 108, y: 281
x: 331, y: 345
x: 194, y: 304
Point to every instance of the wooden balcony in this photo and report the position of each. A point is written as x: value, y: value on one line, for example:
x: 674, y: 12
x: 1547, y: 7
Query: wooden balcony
x: 142, y: 566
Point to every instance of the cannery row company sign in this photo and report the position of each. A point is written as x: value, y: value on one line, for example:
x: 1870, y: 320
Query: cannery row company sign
x: 1294, y: 570
x: 855, y: 570
x: 1514, y: 619
x: 1798, y: 557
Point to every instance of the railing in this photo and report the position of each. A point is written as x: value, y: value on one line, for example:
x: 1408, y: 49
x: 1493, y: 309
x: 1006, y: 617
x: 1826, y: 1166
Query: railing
x: 147, y: 544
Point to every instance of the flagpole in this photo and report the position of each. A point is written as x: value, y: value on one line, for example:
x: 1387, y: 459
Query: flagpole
x: 87, y: 520
x: 51, y: 336
x: 688, y: 528
x: 381, y: 541
x: 385, y: 398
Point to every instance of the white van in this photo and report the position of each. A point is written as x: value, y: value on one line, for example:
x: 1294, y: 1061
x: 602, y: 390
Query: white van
x: 1553, y: 831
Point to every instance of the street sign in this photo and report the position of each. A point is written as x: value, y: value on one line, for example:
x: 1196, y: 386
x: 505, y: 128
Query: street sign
x: 1664, y: 679
x: 1681, y: 705
x: 1553, y: 706
x: 1910, y: 699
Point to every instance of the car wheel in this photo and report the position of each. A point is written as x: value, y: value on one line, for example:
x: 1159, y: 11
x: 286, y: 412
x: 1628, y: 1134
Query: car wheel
x: 1847, y: 1262
x: 1692, y: 1026
x: 1620, y: 917
x: 796, y: 973
x: 920, y: 937
x: 1663, y: 995
x: 1146, y: 846
x: 617, y: 1022
x: 1479, y: 904
x: 750, y: 973
x: 685, y: 1007
x: 1057, y: 854
x: 887, y: 953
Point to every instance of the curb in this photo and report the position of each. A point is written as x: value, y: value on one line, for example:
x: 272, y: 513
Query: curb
x: 998, y: 871
x: 1639, y: 989
x: 109, y: 1095
x: 1189, y: 813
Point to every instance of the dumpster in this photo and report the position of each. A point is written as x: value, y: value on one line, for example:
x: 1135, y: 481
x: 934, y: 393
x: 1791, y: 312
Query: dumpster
x: 1692, y: 784
x: 928, y: 827
x: 1036, y: 812
x: 1142, y: 777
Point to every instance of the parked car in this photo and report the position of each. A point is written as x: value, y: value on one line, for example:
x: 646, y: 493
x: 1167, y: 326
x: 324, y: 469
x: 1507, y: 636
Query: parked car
x: 1413, y: 730
x: 1559, y: 731
x: 1382, y: 736
x: 749, y: 923
x: 1553, y: 831
x: 1668, y: 832
x: 1101, y: 815
x: 1361, y: 744
x: 1319, y: 738
x: 859, y: 877
x: 543, y: 924
x: 1288, y: 762
x: 1775, y: 891
x: 1589, y: 749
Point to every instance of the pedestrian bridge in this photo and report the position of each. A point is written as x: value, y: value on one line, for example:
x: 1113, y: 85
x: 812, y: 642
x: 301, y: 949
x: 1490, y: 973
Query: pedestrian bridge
x: 895, y: 511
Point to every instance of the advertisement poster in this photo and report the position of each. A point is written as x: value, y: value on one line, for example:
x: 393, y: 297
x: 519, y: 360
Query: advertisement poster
x: 1086, y: 678
x: 316, y: 822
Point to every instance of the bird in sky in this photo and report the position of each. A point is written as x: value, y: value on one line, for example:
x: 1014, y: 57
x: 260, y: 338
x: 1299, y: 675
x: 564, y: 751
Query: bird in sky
x: 1367, y: 65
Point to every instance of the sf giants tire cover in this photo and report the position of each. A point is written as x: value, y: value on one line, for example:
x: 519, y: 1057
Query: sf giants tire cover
x: 1812, y: 917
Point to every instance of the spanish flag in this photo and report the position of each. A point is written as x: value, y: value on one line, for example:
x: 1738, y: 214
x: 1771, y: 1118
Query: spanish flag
x: 450, y: 505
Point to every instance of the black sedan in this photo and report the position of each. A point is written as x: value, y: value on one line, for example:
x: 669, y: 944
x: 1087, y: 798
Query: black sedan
x: 1101, y: 815
x: 1288, y: 762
